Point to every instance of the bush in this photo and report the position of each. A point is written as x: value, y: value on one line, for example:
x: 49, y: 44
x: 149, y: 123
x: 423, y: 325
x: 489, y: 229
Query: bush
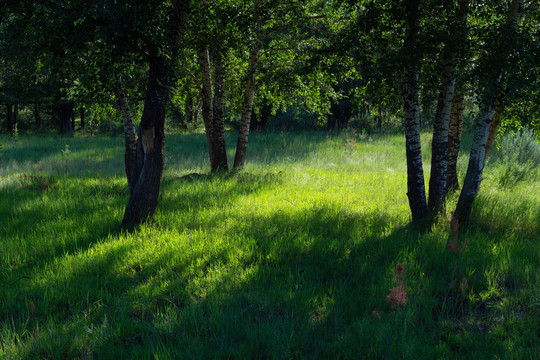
x: 518, y: 157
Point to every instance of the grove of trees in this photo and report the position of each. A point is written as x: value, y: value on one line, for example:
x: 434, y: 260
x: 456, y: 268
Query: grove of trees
x: 246, y: 60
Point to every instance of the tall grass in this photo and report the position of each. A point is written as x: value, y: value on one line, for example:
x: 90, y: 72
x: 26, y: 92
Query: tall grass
x: 293, y: 257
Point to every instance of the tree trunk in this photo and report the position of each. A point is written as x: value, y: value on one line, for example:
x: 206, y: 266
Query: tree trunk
x: 133, y: 157
x: 37, y: 116
x: 485, y: 117
x: 409, y: 90
x: 145, y: 194
x: 454, y: 140
x: 476, y: 162
x: 220, y: 151
x: 144, y: 198
x: 247, y: 107
x: 439, y: 159
x: 207, y: 108
x: 15, y: 116
x: 9, y: 119
x: 439, y: 156
x: 493, y: 129
x: 81, y: 113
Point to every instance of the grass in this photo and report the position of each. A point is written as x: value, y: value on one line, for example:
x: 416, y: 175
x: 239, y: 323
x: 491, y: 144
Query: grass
x: 291, y: 258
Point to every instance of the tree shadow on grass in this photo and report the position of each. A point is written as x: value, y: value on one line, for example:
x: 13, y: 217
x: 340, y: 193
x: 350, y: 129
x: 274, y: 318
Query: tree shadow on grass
x: 295, y: 284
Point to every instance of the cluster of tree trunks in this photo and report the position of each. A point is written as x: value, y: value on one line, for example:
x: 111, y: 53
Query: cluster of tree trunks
x: 448, y: 122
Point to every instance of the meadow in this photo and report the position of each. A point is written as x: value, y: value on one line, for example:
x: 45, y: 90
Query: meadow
x: 294, y: 257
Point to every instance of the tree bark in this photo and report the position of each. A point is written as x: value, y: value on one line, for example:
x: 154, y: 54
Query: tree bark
x: 207, y: 108
x: 247, y: 108
x: 483, y: 123
x: 439, y: 156
x: 476, y: 162
x: 439, y: 159
x: 220, y: 150
x: 409, y: 91
x: 15, y: 115
x: 454, y: 140
x: 144, y: 196
x: 494, y: 128
x: 133, y: 157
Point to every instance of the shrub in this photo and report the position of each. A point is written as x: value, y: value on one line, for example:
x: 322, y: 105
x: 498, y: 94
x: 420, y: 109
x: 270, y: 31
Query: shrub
x: 517, y: 157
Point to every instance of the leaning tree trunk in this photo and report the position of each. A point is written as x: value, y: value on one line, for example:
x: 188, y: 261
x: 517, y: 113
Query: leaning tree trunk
x: 409, y: 91
x: 247, y: 108
x: 144, y: 196
x: 220, y: 150
x: 133, y: 157
x: 476, y: 162
x: 454, y: 140
x: 485, y: 117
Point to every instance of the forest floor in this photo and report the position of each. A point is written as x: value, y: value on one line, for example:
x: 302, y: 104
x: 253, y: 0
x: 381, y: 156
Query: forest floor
x: 293, y: 257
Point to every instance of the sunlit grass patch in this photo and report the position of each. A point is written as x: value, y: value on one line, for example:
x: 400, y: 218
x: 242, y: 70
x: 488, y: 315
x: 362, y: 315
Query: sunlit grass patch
x: 293, y: 257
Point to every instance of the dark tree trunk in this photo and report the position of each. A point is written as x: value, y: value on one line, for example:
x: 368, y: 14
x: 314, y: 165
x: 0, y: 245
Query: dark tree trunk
x: 454, y: 140
x: 207, y: 107
x: 15, y: 115
x: 81, y: 113
x: 9, y: 119
x: 37, y: 116
x: 220, y: 151
x: 247, y: 108
x: 409, y: 89
x: 133, y: 157
x: 145, y: 194
x: 62, y: 112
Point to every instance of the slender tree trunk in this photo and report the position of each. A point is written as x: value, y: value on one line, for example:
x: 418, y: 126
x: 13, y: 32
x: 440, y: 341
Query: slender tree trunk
x: 220, y: 150
x: 81, y: 114
x: 494, y: 128
x: 476, y: 162
x: 133, y: 158
x: 247, y: 107
x: 207, y: 108
x: 37, y: 116
x: 409, y: 90
x: 15, y: 115
x: 145, y: 192
x: 9, y: 119
x: 483, y: 123
x: 454, y: 140
x: 439, y: 158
